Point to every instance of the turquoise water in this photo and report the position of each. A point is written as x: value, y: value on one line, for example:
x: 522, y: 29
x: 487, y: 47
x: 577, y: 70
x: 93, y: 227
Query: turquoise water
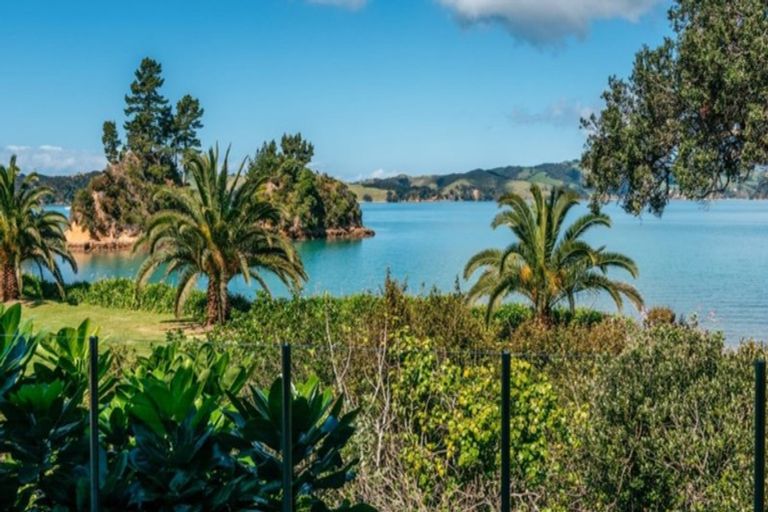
x: 708, y: 260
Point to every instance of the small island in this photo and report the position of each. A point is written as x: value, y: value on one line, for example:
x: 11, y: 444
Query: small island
x: 109, y: 212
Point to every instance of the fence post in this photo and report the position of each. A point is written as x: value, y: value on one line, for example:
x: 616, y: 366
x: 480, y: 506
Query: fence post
x: 505, y: 443
x: 759, y: 504
x: 287, y: 440
x: 93, y: 418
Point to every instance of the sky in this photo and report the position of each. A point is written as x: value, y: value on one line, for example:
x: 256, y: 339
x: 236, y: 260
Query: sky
x: 381, y: 87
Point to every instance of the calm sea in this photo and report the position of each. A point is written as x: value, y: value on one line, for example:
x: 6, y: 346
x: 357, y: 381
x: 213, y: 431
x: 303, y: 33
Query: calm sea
x: 705, y: 260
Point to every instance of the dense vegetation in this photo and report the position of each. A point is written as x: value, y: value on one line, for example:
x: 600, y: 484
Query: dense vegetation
x: 29, y: 234
x: 547, y: 262
x: 158, y: 140
x: 178, y: 429
x: 607, y: 414
x: 423, y: 372
x: 691, y: 117
x: 312, y: 205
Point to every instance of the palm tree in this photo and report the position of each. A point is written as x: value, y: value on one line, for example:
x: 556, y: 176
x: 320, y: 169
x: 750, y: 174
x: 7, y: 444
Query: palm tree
x: 548, y: 264
x: 28, y: 232
x: 218, y: 228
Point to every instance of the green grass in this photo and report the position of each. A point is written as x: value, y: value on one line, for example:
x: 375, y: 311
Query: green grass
x: 377, y: 194
x: 136, y: 329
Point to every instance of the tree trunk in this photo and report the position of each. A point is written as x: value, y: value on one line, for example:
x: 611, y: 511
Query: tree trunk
x: 217, y: 305
x: 11, y: 289
x: 212, y: 302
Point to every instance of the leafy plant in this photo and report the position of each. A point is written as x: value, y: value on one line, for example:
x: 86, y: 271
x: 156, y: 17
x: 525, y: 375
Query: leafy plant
x: 546, y: 263
x: 319, y: 433
x: 175, y: 455
x: 17, y: 346
x: 43, y: 421
x: 450, y: 419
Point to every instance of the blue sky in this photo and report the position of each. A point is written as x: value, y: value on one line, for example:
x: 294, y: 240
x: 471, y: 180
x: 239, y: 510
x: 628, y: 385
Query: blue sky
x: 379, y: 86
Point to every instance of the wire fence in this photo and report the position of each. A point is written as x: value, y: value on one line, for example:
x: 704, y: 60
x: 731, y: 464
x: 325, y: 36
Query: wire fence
x: 336, y: 354
x: 396, y: 386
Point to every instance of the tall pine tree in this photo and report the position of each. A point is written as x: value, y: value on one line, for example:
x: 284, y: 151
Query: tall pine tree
x: 149, y: 122
x: 111, y: 142
x: 186, y: 122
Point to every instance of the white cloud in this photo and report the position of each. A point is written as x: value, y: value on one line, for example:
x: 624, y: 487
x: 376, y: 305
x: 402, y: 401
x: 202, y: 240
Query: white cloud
x: 561, y: 113
x: 346, y: 4
x: 546, y: 22
x: 46, y: 147
x: 383, y: 173
x: 49, y: 159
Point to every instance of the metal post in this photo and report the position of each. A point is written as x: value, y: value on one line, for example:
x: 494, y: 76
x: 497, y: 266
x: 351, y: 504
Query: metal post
x: 93, y: 417
x: 287, y: 441
x: 759, y: 504
x: 505, y: 444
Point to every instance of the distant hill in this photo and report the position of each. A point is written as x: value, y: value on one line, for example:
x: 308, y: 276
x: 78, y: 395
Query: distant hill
x: 65, y: 187
x: 490, y: 184
x: 475, y: 185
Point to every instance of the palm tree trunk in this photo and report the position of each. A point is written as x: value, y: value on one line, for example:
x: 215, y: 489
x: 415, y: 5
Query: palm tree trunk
x: 217, y: 303
x: 213, y: 299
x: 10, y: 279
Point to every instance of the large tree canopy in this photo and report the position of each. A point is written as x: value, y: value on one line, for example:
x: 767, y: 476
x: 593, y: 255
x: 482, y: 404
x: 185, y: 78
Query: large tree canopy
x: 692, y: 117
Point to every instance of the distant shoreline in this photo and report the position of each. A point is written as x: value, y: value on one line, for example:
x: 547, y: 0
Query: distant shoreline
x: 79, y: 240
x: 680, y: 199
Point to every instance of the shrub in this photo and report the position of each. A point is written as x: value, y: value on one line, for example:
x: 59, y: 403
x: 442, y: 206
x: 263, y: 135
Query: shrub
x: 43, y: 421
x: 669, y: 427
x: 320, y: 432
x: 122, y: 293
x: 659, y: 316
x: 450, y: 419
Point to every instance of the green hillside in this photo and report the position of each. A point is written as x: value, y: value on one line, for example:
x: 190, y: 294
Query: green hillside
x: 65, y: 187
x: 490, y: 184
x: 475, y: 185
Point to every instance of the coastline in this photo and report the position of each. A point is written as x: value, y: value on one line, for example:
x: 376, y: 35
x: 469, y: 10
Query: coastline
x: 79, y: 239
x: 673, y: 199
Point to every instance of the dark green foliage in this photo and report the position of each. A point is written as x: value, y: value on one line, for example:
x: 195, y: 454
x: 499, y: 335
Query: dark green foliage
x: 29, y: 234
x: 43, y: 443
x: 18, y: 346
x: 691, y: 117
x: 122, y: 293
x: 311, y: 203
x: 186, y: 122
x: 218, y: 229
x: 64, y: 188
x: 111, y: 141
x: 670, y: 425
x: 149, y: 122
x: 166, y: 442
x: 176, y: 458
x: 320, y: 431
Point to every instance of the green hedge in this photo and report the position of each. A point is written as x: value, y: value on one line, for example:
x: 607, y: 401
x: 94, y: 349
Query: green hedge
x: 118, y: 293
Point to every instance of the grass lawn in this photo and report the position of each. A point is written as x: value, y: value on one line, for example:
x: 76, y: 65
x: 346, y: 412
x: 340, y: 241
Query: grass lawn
x: 134, y: 328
